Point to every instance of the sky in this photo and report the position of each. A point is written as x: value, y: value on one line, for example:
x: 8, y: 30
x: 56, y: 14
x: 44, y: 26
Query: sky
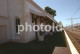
x: 65, y: 9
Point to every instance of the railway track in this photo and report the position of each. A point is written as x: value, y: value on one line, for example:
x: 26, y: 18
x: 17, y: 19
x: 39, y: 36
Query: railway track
x: 75, y: 39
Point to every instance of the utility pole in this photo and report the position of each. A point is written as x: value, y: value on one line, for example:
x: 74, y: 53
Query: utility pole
x: 77, y: 23
x: 72, y: 21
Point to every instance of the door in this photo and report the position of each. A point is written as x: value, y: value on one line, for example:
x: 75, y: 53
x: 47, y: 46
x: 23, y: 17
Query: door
x: 3, y: 33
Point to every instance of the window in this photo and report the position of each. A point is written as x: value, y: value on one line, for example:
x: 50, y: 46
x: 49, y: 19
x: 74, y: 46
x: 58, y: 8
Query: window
x: 17, y: 23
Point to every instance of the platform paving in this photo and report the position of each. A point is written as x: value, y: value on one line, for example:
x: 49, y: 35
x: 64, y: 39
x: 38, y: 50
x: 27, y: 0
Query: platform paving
x: 35, y: 47
x: 61, y: 50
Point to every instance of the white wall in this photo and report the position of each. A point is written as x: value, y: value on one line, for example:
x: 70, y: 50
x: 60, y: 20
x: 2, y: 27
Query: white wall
x: 32, y: 7
x: 13, y: 8
x: 6, y: 23
x: 16, y: 8
x: 3, y: 8
x: 30, y: 35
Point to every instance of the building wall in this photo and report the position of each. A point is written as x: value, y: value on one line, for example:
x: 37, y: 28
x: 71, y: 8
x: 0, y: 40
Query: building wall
x: 32, y: 7
x: 13, y: 9
x: 30, y: 35
x: 16, y: 9
x: 3, y: 8
x: 4, y: 22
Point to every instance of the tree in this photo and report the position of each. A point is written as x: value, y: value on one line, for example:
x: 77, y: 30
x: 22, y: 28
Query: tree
x: 50, y: 11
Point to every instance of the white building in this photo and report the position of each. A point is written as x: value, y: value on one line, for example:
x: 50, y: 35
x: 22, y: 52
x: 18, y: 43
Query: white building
x: 14, y: 12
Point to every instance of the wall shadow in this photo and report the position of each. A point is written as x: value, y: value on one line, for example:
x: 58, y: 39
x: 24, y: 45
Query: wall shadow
x: 35, y: 47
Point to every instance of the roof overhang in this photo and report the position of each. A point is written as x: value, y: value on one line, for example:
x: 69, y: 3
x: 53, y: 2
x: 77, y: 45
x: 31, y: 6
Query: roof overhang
x: 42, y: 14
x: 36, y: 13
